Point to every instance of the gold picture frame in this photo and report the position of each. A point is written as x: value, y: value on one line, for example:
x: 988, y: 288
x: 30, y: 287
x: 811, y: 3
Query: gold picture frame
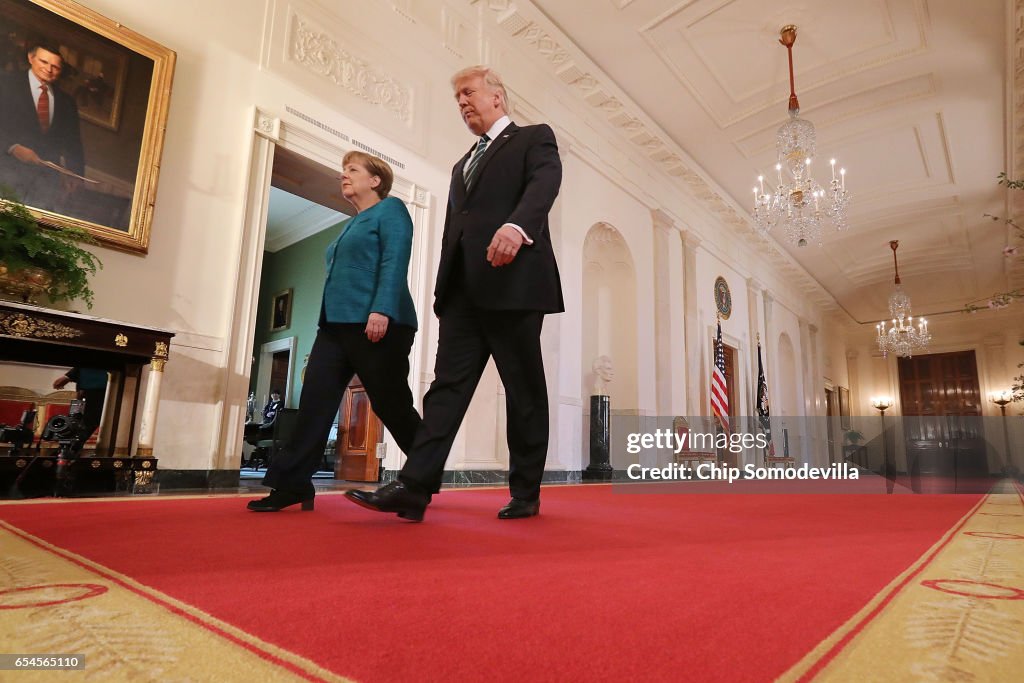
x: 281, y: 311
x: 844, y: 407
x: 120, y: 84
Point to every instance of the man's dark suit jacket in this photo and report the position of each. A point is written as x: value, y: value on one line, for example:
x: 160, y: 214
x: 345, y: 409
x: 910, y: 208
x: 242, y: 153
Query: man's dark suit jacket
x: 19, y: 124
x: 516, y: 181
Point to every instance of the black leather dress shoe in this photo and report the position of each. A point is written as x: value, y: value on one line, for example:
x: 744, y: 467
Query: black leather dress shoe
x: 518, y: 509
x: 394, y: 497
x: 279, y: 500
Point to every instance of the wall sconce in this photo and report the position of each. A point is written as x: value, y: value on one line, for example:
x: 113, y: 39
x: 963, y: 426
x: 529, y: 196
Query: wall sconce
x: 1001, y: 398
x: 881, y: 403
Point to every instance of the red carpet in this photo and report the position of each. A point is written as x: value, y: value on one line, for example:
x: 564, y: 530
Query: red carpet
x: 601, y: 586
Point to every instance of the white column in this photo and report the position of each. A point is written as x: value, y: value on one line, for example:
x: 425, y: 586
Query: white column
x: 820, y: 446
x: 996, y: 372
x: 806, y: 430
x: 667, y: 316
x: 691, y: 322
x: 754, y: 331
x: 147, y: 428
x: 754, y: 290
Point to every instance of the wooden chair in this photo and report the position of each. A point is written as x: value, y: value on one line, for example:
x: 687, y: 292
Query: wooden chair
x: 687, y: 457
x: 11, y: 411
x: 784, y: 460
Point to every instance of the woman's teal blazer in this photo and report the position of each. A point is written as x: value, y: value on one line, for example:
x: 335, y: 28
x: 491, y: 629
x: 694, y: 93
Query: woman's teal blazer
x: 368, y: 266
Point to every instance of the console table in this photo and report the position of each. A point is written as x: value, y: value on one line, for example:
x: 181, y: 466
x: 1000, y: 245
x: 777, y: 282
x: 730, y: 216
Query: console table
x: 31, y: 334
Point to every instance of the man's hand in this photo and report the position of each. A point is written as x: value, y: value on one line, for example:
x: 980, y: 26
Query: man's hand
x: 61, y: 382
x: 504, y: 246
x: 376, y: 327
x: 25, y: 155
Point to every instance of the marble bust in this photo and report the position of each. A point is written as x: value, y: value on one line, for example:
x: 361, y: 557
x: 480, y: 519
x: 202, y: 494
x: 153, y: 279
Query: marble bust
x: 603, y: 373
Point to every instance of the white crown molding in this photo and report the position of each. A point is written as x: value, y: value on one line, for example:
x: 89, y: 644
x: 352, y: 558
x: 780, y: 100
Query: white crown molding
x: 319, y: 53
x: 302, y: 229
x: 593, y: 87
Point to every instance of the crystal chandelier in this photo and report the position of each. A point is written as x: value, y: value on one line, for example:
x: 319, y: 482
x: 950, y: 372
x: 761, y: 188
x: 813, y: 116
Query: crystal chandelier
x: 902, y: 339
x: 798, y: 202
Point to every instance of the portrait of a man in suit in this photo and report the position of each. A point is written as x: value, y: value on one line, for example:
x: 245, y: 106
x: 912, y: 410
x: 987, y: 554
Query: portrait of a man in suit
x: 39, y: 123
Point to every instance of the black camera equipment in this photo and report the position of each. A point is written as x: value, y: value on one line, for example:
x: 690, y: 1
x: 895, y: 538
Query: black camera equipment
x: 20, y: 435
x: 71, y: 433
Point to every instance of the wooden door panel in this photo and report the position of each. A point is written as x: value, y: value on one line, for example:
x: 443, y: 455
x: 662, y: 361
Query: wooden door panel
x: 359, y: 432
x: 940, y: 384
x: 941, y: 401
x: 355, y: 425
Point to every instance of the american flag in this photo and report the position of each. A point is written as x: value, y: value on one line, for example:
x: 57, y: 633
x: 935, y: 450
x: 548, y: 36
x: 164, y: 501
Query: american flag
x: 719, y: 388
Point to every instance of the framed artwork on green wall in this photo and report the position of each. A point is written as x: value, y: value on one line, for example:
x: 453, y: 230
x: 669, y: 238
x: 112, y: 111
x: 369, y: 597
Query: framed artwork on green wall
x: 281, y: 314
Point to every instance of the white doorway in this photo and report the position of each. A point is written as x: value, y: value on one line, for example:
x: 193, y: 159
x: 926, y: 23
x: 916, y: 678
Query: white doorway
x: 276, y: 139
x: 275, y: 354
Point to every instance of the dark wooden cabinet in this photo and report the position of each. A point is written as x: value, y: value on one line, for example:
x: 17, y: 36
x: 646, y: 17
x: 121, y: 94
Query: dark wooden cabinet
x: 943, y: 430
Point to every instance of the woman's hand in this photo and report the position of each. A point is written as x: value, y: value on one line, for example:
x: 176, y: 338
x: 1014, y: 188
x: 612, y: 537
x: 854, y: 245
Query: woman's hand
x: 376, y: 327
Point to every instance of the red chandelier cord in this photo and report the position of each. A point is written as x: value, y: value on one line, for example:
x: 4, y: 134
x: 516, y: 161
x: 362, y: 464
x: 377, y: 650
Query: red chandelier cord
x: 893, y: 245
x: 788, y: 37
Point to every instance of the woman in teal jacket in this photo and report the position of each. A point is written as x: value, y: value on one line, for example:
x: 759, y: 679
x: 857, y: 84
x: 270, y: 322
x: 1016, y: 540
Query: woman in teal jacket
x: 367, y: 324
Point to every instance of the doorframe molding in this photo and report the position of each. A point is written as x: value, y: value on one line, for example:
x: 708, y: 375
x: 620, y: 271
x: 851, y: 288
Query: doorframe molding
x: 265, y: 363
x: 268, y: 131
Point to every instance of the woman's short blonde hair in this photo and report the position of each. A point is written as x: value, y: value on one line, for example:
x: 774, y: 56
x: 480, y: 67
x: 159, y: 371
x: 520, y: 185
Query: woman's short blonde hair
x: 491, y: 78
x: 376, y: 166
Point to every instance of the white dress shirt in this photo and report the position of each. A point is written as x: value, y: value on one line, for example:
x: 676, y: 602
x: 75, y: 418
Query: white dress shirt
x: 492, y: 135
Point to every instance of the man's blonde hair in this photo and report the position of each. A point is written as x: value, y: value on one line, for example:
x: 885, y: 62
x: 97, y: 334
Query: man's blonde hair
x: 491, y: 78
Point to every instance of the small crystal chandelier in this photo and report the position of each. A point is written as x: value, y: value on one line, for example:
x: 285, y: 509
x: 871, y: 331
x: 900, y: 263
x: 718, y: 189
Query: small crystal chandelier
x: 902, y: 339
x: 799, y: 203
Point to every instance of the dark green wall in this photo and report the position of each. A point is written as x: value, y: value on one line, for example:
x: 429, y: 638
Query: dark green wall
x: 300, y: 268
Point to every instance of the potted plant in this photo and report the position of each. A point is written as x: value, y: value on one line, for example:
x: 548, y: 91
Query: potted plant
x: 854, y: 437
x: 35, y: 260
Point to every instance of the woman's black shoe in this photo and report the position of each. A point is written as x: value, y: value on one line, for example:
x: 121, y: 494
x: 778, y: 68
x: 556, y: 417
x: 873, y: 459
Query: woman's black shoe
x: 279, y: 500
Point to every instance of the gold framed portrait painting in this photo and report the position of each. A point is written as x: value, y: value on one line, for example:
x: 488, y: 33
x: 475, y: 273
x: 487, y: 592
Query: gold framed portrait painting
x: 281, y: 311
x: 96, y: 140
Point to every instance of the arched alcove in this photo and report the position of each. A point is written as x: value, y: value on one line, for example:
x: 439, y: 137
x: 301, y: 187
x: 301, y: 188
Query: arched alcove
x: 788, y: 400
x: 610, y: 314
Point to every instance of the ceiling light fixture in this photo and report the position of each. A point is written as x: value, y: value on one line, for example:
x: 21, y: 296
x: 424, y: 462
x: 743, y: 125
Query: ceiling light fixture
x: 798, y: 203
x: 902, y: 339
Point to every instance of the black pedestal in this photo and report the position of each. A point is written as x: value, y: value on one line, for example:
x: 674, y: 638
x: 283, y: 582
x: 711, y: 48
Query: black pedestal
x: 600, y: 468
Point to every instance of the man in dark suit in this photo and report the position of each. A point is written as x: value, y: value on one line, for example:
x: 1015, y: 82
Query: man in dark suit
x: 265, y: 429
x: 38, y: 123
x: 496, y: 280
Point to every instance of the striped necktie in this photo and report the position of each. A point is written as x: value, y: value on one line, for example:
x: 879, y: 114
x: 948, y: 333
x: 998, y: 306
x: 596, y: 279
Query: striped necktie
x: 43, y: 109
x: 474, y: 161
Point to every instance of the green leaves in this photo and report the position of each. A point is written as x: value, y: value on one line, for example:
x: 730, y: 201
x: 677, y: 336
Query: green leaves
x: 24, y: 243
